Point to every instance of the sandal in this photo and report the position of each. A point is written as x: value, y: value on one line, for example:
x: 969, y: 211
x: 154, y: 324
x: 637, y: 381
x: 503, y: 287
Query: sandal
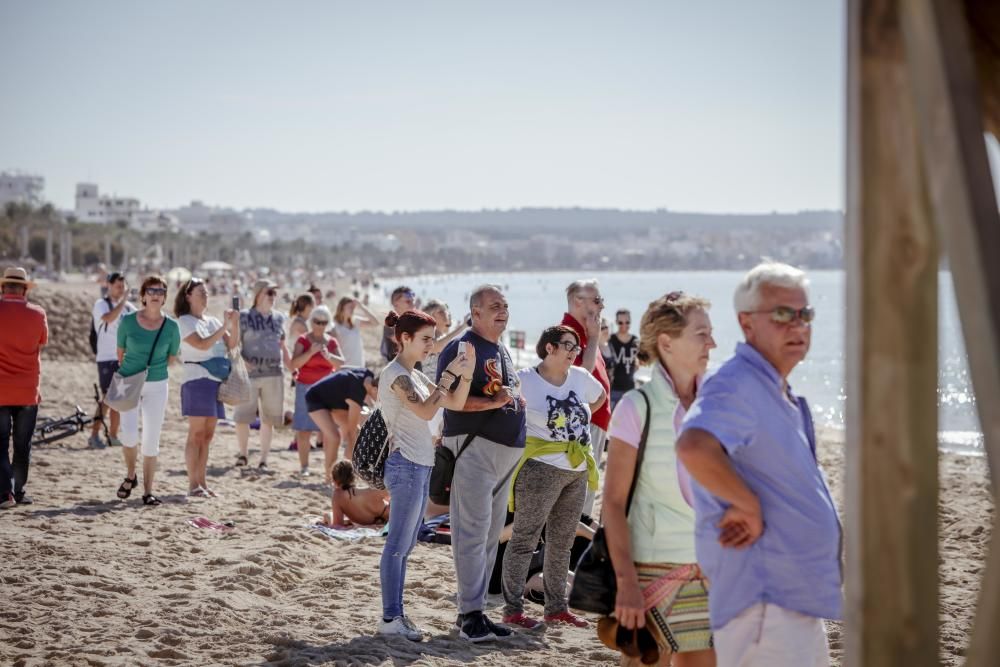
x: 125, y: 490
x: 241, y: 461
x: 150, y: 499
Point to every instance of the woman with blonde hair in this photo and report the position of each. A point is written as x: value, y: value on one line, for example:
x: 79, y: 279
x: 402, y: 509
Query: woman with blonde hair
x: 651, y: 539
x: 346, y: 328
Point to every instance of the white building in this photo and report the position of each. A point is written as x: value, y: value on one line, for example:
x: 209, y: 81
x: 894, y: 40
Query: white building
x: 91, y: 206
x: 17, y: 187
x: 197, y: 217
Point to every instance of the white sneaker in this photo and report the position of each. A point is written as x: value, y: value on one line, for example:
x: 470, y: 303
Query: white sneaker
x: 304, y: 472
x: 401, y: 626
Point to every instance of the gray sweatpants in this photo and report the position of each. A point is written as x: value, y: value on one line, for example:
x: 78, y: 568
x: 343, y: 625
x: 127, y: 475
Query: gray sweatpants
x: 544, y: 496
x: 598, y: 441
x: 479, y: 494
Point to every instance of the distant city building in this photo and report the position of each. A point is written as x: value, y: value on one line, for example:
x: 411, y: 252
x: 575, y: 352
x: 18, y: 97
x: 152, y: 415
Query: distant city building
x: 196, y: 218
x: 17, y: 187
x: 93, y: 207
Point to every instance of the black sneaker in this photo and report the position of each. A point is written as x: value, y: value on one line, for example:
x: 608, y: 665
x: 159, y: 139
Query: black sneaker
x: 500, y: 631
x: 475, y: 629
x: 459, y: 620
x: 23, y: 499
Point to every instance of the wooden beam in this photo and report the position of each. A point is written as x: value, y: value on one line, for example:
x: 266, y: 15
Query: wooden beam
x: 892, y: 264
x: 961, y: 187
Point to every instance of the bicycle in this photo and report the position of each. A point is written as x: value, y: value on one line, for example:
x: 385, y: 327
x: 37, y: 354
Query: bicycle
x: 58, y: 428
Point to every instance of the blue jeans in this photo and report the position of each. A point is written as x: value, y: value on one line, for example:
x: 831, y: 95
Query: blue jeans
x: 407, y: 483
x: 17, y: 421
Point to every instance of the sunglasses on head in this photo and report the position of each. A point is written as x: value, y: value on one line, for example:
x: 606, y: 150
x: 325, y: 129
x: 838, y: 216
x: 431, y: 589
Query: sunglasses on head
x: 787, y: 314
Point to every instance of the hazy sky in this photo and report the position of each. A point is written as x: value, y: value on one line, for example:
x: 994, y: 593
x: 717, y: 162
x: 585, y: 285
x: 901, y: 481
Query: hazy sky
x: 308, y: 106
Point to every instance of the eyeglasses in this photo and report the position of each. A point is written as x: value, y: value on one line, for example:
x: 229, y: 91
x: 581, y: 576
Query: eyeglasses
x: 156, y: 291
x: 322, y: 323
x: 598, y: 300
x: 787, y: 314
x: 568, y: 345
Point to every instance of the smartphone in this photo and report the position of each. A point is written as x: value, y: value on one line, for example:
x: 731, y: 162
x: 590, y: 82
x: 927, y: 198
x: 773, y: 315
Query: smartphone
x: 461, y: 347
x: 236, y: 303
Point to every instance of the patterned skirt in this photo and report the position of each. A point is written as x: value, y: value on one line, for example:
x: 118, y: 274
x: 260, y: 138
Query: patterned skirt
x: 676, y: 605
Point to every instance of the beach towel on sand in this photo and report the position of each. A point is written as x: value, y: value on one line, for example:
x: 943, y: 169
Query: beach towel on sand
x: 346, y: 534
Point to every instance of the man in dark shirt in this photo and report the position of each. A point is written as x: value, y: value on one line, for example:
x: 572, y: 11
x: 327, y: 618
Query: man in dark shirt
x: 494, y: 415
x: 624, y: 348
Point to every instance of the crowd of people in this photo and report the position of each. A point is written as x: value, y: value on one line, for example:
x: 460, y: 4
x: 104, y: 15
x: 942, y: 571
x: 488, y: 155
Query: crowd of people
x: 723, y: 535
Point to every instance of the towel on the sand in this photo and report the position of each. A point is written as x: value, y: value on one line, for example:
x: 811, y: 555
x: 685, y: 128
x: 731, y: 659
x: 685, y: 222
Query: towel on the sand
x: 346, y: 534
x: 205, y: 522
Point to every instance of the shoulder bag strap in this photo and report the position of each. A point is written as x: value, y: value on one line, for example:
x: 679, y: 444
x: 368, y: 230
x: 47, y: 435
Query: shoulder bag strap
x: 110, y: 308
x: 641, y: 453
x: 482, y: 425
x: 155, y: 341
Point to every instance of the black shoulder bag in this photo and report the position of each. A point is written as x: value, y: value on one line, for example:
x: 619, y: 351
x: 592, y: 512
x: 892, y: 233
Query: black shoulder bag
x: 594, y: 585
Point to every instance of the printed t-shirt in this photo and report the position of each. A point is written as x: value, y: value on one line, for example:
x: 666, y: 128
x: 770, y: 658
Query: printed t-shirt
x: 624, y: 355
x: 494, y: 369
x: 602, y: 417
x: 410, y: 434
x: 317, y: 367
x: 262, y: 337
x: 332, y: 392
x: 204, y: 327
x: 559, y: 413
x: 24, y: 331
x: 107, y: 332
x: 351, y: 345
x: 137, y: 342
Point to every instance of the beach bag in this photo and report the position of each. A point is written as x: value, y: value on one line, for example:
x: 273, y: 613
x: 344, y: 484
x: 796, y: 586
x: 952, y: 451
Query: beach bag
x: 371, y: 449
x: 236, y: 388
x: 124, y: 392
x: 594, y: 585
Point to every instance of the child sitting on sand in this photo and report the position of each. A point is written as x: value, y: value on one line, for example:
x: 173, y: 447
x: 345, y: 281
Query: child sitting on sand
x: 354, y: 505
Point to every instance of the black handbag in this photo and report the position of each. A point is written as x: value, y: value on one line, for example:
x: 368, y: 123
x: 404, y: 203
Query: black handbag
x: 444, y: 471
x: 594, y: 585
x: 371, y: 449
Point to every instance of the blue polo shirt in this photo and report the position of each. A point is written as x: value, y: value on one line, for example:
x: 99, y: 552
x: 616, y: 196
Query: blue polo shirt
x: 771, y: 444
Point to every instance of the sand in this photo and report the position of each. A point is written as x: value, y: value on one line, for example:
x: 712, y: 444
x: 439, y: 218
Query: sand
x: 89, y: 579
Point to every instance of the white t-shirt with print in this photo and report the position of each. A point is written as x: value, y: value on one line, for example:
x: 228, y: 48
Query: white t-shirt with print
x: 410, y: 434
x: 107, y: 333
x: 204, y: 327
x: 559, y: 414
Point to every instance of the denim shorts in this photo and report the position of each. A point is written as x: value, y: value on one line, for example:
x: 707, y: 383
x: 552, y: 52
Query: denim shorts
x: 105, y: 371
x: 301, y: 421
x: 200, y: 398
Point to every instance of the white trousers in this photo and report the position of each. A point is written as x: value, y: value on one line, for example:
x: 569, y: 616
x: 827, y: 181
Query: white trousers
x: 766, y: 635
x: 153, y: 406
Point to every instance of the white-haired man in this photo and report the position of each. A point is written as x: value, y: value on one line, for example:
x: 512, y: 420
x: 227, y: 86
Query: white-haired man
x: 584, y: 304
x: 766, y: 532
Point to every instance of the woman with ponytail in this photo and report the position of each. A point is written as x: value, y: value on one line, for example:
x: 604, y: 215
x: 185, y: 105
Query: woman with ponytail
x: 652, y: 540
x: 409, y: 400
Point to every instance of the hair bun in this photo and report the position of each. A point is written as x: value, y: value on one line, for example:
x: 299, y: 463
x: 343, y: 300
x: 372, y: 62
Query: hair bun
x: 391, y: 319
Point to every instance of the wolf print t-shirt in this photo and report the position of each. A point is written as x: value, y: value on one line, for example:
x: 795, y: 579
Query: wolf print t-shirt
x: 559, y: 413
x: 263, y: 338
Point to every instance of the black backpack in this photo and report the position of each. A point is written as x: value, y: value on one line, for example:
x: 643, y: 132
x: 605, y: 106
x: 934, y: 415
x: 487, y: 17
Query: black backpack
x: 93, y: 331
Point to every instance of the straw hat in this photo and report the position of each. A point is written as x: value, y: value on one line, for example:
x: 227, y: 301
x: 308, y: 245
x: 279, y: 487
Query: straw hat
x: 16, y: 275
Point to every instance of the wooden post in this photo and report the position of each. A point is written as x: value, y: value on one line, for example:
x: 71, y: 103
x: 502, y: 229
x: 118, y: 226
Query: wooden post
x: 965, y: 206
x: 891, y: 449
x: 49, y: 250
x: 107, y: 252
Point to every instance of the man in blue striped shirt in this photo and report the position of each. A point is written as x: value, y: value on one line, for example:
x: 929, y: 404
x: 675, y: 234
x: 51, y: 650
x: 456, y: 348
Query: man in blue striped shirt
x: 767, y: 533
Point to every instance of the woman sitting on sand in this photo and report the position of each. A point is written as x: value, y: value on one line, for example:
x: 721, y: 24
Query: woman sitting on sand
x: 353, y: 505
x: 334, y: 404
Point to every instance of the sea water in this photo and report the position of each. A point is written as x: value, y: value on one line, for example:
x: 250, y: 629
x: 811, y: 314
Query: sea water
x: 538, y: 300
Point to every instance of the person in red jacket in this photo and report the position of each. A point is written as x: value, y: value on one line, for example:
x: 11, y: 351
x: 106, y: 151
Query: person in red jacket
x: 584, y: 304
x: 22, y: 336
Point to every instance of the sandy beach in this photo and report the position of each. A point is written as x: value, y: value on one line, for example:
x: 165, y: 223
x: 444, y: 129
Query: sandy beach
x: 88, y: 579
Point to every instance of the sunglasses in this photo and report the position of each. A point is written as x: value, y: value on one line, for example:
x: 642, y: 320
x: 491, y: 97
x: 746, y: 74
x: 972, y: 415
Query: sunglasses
x: 156, y: 291
x: 787, y: 314
x: 598, y: 300
x: 624, y: 321
x: 322, y: 323
x: 272, y: 292
x: 569, y: 345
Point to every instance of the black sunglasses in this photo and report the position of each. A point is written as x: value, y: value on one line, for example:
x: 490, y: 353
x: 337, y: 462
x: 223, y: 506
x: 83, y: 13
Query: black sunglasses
x: 787, y: 314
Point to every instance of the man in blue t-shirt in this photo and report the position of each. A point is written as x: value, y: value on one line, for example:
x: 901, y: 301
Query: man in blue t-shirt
x: 491, y: 429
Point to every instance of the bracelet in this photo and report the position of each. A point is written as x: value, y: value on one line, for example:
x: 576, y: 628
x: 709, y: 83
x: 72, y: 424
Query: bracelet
x: 467, y: 379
